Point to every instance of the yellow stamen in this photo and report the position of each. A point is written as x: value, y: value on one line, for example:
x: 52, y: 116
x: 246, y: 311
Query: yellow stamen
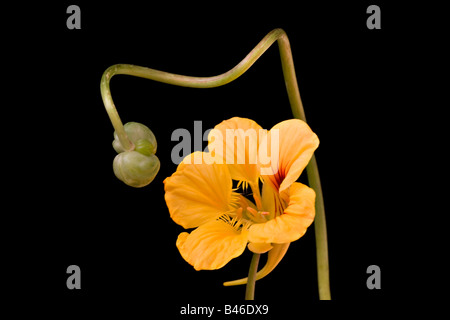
x: 258, y: 216
x: 237, y: 222
x: 252, y: 211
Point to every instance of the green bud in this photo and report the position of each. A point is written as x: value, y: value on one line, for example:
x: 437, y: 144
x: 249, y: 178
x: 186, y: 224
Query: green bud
x: 135, y: 169
x: 144, y: 147
x: 135, y: 132
x: 138, y: 167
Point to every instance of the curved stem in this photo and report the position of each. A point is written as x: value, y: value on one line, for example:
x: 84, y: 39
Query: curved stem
x: 312, y: 170
x: 250, y: 289
x: 176, y: 79
x: 219, y: 80
x: 320, y: 229
x: 111, y: 109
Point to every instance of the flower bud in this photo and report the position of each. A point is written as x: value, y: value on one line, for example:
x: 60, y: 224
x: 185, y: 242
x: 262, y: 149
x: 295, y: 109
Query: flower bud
x: 135, y: 132
x: 144, y: 147
x: 135, y: 169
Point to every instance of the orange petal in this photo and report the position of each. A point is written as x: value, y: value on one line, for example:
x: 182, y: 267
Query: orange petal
x: 296, y: 143
x: 292, y: 224
x: 235, y: 142
x: 198, y: 193
x: 271, y: 201
x: 259, y: 247
x: 273, y: 258
x: 212, y: 245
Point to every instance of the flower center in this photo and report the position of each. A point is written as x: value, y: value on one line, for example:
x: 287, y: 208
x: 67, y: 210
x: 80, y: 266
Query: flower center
x: 257, y: 216
x: 243, y: 211
x: 238, y: 223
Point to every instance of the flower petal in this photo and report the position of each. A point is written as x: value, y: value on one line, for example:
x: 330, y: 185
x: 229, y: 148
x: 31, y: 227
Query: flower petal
x: 198, y: 193
x: 271, y: 201
x: 296, y: 143
x: 212, y: 245
x: 235, y: 142
x: 292, y: 224
x: 259, y: 247
x: 273, y: 258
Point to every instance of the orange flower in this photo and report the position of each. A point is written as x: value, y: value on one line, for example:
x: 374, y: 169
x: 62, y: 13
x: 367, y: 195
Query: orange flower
x: 200, y: 194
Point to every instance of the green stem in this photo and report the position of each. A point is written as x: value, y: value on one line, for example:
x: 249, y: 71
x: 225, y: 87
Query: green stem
x: 320, y: 229
x: 222, y: 79
x: 176, y: 79
x: 312, y: 170
x: 250, y: 289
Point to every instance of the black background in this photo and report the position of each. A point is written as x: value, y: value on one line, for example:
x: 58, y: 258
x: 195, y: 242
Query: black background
x: 74, y: 210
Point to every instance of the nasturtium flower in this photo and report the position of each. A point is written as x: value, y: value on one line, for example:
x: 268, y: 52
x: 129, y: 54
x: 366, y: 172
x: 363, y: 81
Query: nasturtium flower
x: 200, y: 193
